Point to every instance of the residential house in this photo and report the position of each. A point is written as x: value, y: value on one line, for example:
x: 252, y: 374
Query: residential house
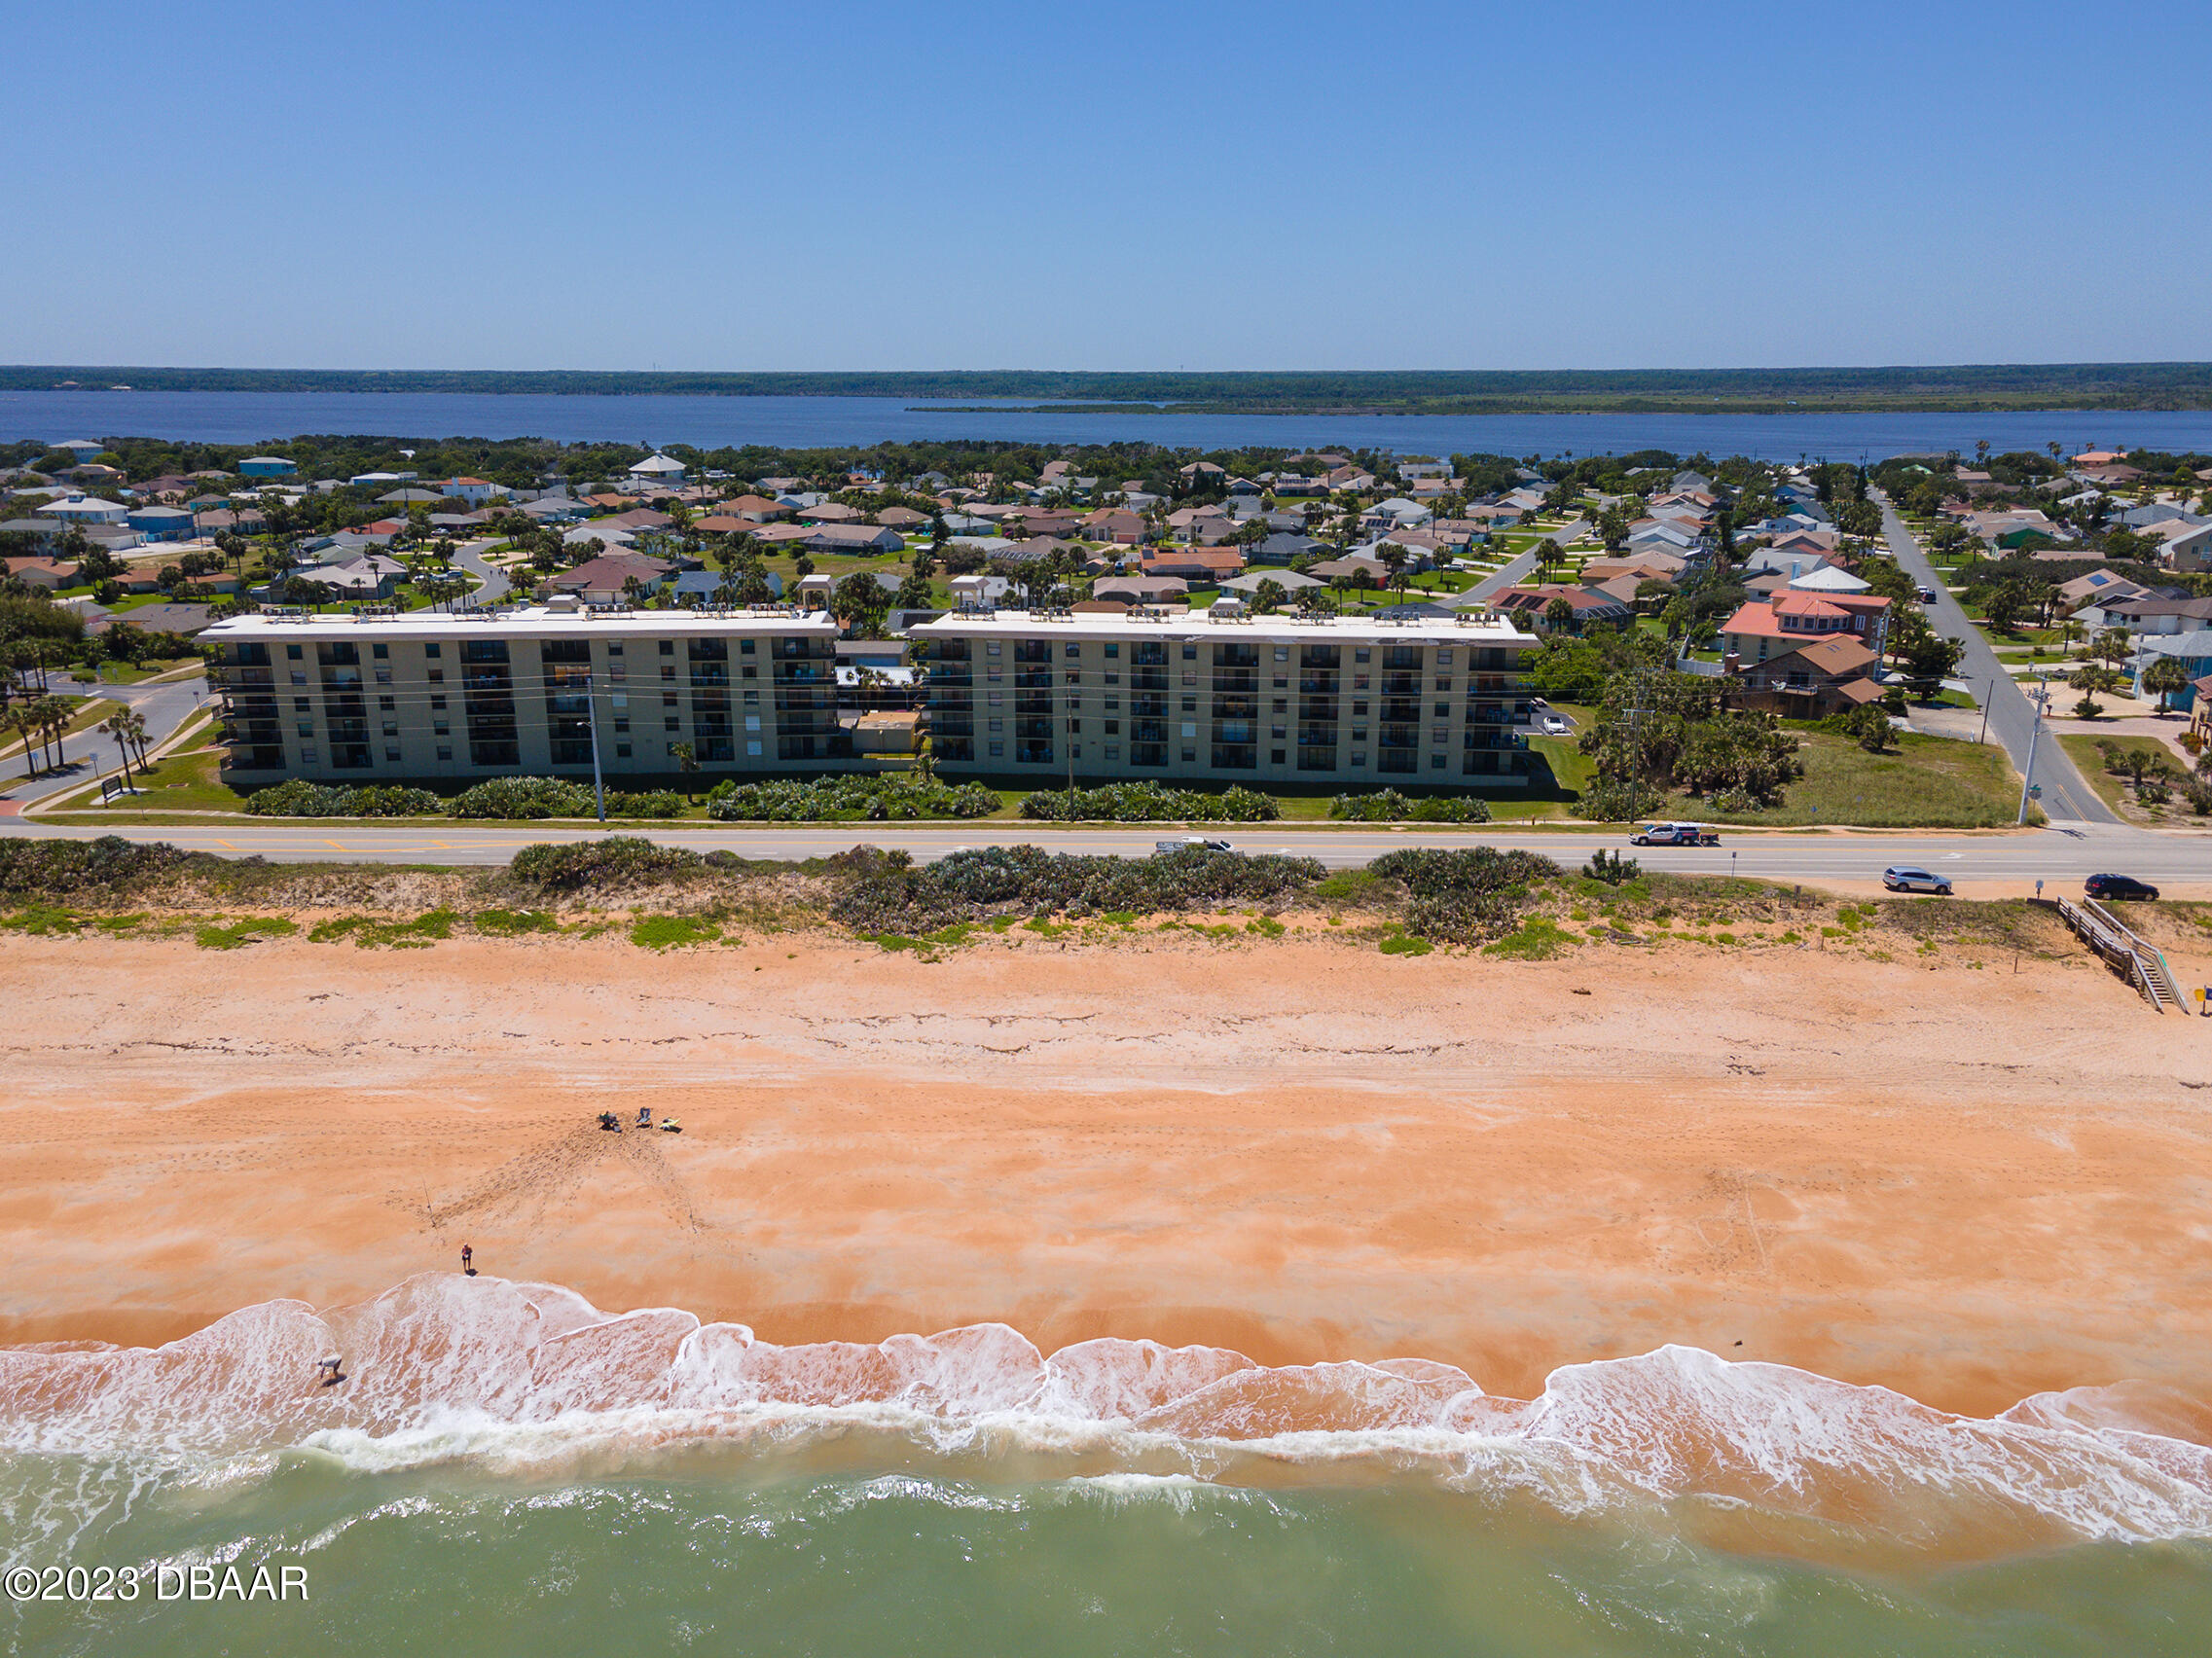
x: 756, y: 509
x: 1206, y: 564
x: 657, y: 469
x: 85, y: 511
x: 1823, y: 677
x: 162, y: 524
x: 606, y: 579
x: 1588, y: 604
x: 43, y: 573
x: 980, y: 588
x: 1397, y: 512
x: 1122, y: 527
x: 2194, y: 649
x: 2188, y: 546
x: 2095, y: 587
x: 266, y: 466
x: 605, y: 531
x: 1282, y: 547
x: 831, y: 512
x: 1142, y: 589
x: 863, y: 539
x: 2149, y: 614
x: 1763, y: 629
x: 1290, y: 581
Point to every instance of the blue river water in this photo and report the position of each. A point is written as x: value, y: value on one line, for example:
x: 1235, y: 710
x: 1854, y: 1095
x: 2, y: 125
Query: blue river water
x: 805, y: 423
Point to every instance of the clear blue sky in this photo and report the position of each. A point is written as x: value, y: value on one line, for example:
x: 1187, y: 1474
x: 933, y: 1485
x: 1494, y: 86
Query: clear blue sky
x: 823, y: 185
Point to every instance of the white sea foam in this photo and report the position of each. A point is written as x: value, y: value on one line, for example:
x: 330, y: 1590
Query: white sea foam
x: 530, y: 1380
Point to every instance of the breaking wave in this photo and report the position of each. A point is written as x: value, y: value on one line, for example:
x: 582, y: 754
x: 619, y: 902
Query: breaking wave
x: 529, y: 1380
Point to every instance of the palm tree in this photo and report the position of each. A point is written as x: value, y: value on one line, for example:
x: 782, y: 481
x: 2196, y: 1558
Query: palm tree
x: 53, y: 715
x: 20, y: 722
x: 2165, y: 678
x: 118, y: 726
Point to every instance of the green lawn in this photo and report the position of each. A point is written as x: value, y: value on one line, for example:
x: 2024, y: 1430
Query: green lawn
x: 1931, y: 782
x: 91, y: 710
x: 2115, y: 792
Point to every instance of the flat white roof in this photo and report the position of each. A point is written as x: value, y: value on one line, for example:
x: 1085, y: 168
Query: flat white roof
x: 533, y: 622
x: 1278, y: 628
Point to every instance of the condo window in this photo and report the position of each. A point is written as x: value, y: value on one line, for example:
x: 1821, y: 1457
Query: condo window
x: 308, y: 754
x: 438, y: 702
x: 430, y: 651
x: 291, y: 653
x: 1072, y: 651
x: 385, y: 704
x: 622, y: 751
x: 299, y: 704
x: 391, y: 751
x: 379, y: 650
x: 997, y: 749
x: 445, y: 751
x: 1112, y: 650
x: 1190, y: 653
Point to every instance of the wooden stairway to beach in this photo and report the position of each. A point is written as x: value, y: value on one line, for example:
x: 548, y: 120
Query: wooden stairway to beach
x: 2125, y: 951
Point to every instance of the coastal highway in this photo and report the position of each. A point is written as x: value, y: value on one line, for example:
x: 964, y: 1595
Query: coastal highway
x: 2180, y: 864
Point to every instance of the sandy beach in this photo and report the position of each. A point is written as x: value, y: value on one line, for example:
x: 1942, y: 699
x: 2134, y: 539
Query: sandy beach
x: 1967, y: 1182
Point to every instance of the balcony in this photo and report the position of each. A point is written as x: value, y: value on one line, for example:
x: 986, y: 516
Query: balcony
x: 1236, y: 707
x: 1316, y: 684
x: 1318, y: 709
x: 1400, y: 685
x: 1034, y: 753
x: 1318, y: 736
x: 1318, y: 758
x: 1235, y: 757
x: 1148, y: 679
x: 1236, y: 679
x: 1147, y: 754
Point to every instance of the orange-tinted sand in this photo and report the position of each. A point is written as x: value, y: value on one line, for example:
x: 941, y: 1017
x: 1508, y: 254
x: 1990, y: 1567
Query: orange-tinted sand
x: 1964, y: 1183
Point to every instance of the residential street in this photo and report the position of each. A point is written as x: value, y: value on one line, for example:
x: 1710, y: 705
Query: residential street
x: 493, y: 582
x: 91, y: 753
x: 2012, y: 716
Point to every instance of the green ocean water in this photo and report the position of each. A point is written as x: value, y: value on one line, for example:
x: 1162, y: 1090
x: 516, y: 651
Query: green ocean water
x: 506, y: 1469
x: 727, y: 1553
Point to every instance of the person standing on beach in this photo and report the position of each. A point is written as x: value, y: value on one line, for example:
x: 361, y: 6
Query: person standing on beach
x: 467, y: 1255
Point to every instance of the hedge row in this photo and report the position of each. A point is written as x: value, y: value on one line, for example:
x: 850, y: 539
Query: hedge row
x: 1149, y: 802
x: 877, y: 798
x: 1387, y: 805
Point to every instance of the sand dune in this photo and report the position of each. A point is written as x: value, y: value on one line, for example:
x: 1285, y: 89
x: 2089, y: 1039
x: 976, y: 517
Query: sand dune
x: 1964, y: 1182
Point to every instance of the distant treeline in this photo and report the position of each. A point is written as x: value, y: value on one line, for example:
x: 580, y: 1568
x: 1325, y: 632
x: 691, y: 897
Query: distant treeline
x: 1965, y: 388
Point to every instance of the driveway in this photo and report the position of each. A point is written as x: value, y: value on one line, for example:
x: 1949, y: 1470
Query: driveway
x: 2012, y: 716
x: 166, y: 705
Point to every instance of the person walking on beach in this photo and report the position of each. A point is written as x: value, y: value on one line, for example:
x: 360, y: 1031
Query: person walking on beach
x: 467, y: 1255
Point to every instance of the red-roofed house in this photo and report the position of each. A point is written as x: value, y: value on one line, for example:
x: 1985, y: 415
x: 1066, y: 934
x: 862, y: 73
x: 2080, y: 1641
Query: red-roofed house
x: 1763, y: 629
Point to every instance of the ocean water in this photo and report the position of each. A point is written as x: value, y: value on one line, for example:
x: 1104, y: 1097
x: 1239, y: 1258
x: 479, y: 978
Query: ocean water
x: 507, y: 1470
x: 802, y: 422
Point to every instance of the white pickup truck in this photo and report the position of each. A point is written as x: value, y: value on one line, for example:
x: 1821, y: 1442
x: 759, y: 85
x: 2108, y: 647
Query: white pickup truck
x: 1674, y: 835
x: 1194, y: 843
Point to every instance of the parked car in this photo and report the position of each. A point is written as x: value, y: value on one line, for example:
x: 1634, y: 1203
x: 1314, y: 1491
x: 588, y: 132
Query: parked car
x: 2123, y: 888
x: 1195, y: 842
x: 1903, y: 878
x: 1555, y: 725
x: 1674, y: 835
x: 1927, y: 596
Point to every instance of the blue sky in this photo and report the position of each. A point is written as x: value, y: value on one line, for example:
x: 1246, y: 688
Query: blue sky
x: 1137, y: 186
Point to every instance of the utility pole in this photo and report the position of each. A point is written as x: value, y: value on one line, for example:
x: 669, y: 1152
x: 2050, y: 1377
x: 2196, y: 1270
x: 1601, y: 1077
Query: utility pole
x: 591, y: 717
x: 2035, y: 731
x: 1989, y: 692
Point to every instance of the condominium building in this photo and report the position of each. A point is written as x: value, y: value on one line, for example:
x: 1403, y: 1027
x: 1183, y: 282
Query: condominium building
x: 422, y: 694
x: 1255, y: 699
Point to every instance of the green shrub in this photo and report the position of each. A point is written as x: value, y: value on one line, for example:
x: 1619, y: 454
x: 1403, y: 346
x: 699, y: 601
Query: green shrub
x: 568, y: 866
x: 521, y: 799
x: 650, y: 803
x: 1389, y: 806
x: 883, y: 892
x: 31, y: 867
x: 1463, y: 895
x: 873, y: 797
x: 1149, y: 802
x: 514, y: 924
x: 299, y: 798
x: 1612, y: 868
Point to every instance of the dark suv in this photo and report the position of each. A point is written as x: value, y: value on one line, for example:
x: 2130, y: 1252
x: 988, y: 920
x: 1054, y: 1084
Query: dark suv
x: 2119, y: 886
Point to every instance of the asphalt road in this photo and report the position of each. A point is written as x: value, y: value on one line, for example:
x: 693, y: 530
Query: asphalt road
x: 2179, y: 864
x: 494, y: 585
x: 2012, y: 716
x: 91, y: 752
